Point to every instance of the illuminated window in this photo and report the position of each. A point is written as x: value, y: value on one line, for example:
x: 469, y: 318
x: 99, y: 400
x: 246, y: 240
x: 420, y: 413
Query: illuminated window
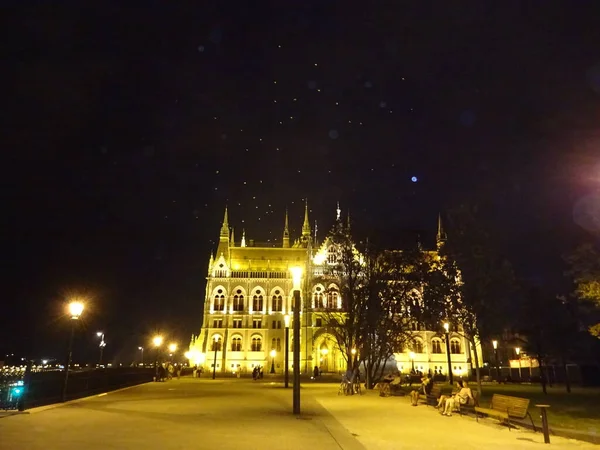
x: 238, y: 301
x: 219, y: 303
x: 332, y: 298
x: 276, y: 344
x: 256, y: 344
x: 418, y: 347
x: 256, y: 323
x: 277, y: 302
x: 237, y: 323
x: 331, y: 255
x: 277, y: 324
x: 216, y: 346
x: 454, y: 346
x: 436, y: 346
x: 257, y: 302
x: 218, y: 323
x: 318, y: 297
x: 236, y: 344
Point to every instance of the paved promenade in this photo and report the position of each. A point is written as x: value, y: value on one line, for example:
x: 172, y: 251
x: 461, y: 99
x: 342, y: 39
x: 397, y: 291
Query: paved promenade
x: 241, y: 414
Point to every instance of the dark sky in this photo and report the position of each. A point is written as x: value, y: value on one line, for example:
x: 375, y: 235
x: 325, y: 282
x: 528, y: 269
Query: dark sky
x: 126, y: 131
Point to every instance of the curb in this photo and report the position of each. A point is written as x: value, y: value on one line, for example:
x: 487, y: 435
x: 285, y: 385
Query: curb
x: 40, y: 409
x: 11, y: 413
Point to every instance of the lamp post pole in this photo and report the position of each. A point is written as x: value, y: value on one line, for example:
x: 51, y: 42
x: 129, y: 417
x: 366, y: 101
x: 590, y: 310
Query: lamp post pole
x: 412, y: 360
x: 102, y: 344
x: 216, y: 342
x: 141, y: 349
x: 518, y: 352
x: 75, y: 309
x: 450, y: 375
x: 495, y: 344
x: 286, y: 320
x: 157, y: 341
x: 296, y: 326
x: 273, y: 361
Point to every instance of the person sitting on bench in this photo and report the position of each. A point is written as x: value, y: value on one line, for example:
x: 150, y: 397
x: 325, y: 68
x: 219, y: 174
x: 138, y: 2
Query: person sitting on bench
x: 463, y: 395
x: 425, y: 389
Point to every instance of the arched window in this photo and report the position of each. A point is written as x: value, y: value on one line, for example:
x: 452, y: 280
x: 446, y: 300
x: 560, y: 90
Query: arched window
x: 332, y: 299
x: 418, y: 347
x: 256, y: 344
x: 238, y: 301
x: 219, y: 303
x: 216, y: 345
x: 318, y: 297
x: 276, y: 344
x: 277, y: 302
x: 331, y: 255
x: 436, y: 346
x: 236, y: 344
x: 257, y: 301
x: 454, y: 346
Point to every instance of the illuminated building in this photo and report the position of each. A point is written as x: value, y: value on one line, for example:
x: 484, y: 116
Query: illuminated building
x: 249, y: 291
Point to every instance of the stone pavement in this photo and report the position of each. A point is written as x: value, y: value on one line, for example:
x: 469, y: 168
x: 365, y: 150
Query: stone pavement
x: 201, y: 413
x: 391, y: 423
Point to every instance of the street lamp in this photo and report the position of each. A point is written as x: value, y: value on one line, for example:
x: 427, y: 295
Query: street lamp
x: 141, y: 349
x: 450, y: 376
x: 296, y: 283
x: 216, y: 344
x: 157, y: 341
x: 172, y: 349
x: 495, y: 344
x: 100, y: 334
x: 75, y: 310
x: 412, y: 360
x: 273, y: 353
x: 286, y: 321
x: 353, y: 352
x: 518, y: 352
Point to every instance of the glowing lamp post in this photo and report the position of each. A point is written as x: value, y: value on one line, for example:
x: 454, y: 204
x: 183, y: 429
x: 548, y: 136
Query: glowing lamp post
x: 518, y: 352
x: 273, y: 353
x: 296, y: 283
x: 157, y: 341
x: 450, y: 375
x: 141, y: 349
x: 412, y: 360
x: 495, y: 345
x: 286, y: 321
x: 172, y: 349
x: 75, y: 309
x: 102, y: 344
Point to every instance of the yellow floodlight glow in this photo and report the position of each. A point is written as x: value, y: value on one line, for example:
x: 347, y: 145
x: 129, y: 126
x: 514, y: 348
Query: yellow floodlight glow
x: 157, y: 341
x: 286, y: 320
x: 75, y: 309
x: 187, y: 355
x: 446, y: 327
x: 518, y: 350
x: 412, y: 355
x: 172, y: 347
x: 273, y: 353
x: 353, y: 351
x: 495, y: 344
x: 296, y: 277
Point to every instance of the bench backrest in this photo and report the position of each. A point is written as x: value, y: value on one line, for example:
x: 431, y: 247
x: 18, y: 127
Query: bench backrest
x: 515, y: 406
x: 436, y: 391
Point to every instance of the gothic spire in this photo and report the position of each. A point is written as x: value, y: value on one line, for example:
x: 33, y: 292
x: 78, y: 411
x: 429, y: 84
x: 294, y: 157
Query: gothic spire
x: 306, y: 225
x: 441, y: 234
x: 286, y: 232
x: 232, y: 238
x: 338, y: 212
x: 243, y: 244
x: 225, y: 226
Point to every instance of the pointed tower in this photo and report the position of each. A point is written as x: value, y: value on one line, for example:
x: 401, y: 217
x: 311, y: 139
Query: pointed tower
x: 441, y: 234
x: 232, y: 238
x: 306, y: 224
x: 338, y: 213
x: 243, y: 238
x: 223, y: 248
x: 211, y: 261
x: 286, y: 232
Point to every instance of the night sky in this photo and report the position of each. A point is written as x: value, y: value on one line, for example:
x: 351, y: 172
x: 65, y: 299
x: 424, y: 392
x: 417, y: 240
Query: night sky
x: 126, y: 131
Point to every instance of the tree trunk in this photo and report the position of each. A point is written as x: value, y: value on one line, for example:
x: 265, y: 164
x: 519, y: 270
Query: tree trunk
x: 542, y: 373
x: 567, y: 380
x: 477, y: 372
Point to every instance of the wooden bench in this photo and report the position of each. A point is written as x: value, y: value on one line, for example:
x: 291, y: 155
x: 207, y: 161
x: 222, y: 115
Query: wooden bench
x: 505, y: 408
x: 470, y: 405
x: 434, y: 395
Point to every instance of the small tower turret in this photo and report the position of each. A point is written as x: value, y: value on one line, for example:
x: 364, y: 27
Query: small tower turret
x: 441, y: 234
x: 224, y: 237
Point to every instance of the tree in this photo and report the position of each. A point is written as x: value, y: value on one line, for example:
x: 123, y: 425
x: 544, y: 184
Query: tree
x: 377, y: 291
x: 584, y: 269
x: 475, y: 281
